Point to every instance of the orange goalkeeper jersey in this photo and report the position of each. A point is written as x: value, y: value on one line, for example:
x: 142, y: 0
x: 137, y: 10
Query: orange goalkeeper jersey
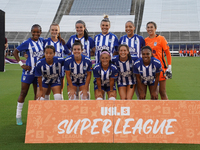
x: 159, y: 45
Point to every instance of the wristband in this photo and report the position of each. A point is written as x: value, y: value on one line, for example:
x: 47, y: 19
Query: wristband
x: 20, y: 63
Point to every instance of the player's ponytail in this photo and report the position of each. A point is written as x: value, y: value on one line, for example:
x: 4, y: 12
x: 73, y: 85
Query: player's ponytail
x: 59, y: 37
x: 86, y: 34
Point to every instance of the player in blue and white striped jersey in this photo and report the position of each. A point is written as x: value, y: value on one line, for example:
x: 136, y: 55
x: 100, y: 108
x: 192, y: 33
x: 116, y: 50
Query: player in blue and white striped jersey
x: 147, y: 70
x: 126, y: 80
x: 134, y: 41
x: 105, y: 74
x: 34, y: 50
x: 48, y: 70
x: 78, y: 69
x: 82, y: 35
x: 56, y: 41
x: 61, y: 50
x: 105, y: 40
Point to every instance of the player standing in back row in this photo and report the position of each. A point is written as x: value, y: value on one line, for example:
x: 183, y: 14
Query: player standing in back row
x: 160, y: 46
x: 135, y: 42
x: 105, y: 40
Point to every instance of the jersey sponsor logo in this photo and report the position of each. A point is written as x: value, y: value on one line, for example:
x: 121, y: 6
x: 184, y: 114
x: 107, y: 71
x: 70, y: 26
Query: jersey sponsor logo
x: 126, y: 73
x: 100, y: 48
x: 52, y: 76
x: 154, y: 52
x: 106, y: 82
x: 131, y: 49
x: 149, y: 78
x: 155, y: 43
x: 38, y: 54
x: 78, y: 76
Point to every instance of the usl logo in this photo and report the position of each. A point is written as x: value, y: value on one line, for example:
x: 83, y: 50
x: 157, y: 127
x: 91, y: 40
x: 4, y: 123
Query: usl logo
x: 124, y: 111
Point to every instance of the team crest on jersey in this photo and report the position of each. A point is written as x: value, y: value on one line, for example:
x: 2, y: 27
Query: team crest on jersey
x: 154, y: 70
x: 136, y: 42
x: 86, y: 43
x: 131, y: 65
x: 155, y: 43
x: 110, y: 40
x: 84, y: 67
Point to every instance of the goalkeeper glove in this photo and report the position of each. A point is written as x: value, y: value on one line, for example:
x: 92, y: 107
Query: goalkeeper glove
x: 168, y: 72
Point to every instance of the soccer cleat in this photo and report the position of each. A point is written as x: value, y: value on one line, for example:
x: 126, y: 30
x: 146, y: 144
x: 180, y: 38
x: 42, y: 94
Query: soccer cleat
x: 19, y: 121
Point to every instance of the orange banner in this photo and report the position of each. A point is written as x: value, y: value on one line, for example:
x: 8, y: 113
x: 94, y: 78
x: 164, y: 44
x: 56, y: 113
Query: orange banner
x: 117, y: 121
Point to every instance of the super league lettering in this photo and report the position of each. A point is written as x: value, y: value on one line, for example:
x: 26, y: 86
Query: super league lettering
x: 141, y: 126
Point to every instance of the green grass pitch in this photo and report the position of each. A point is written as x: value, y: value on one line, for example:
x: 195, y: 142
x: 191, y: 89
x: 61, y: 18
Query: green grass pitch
x: 184, y: 85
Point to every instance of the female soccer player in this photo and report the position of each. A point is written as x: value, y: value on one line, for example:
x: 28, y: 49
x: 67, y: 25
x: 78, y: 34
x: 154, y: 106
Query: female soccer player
x: 78, y: 69
x: 126, y: 80
x: 134, y: 41
x: 105, y: 74
x: 105, y: 40
x: 48, y: 71
x: 60, y: 48
x: 34, y: 49
x: 82, y: 35
x: 159, y: 45
x: 147, y: 70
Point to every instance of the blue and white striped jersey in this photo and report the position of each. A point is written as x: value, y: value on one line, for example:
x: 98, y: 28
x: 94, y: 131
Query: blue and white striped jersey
x: 108, y: 41
x: 60, y: 49
x: 34, y: 50
x: 50, y: 73
x: 78, y: 72
x: 87, y: 44
x: 126, y: 76
x: 105, y: 75
x: 135, y: 44
x: 147, y: 73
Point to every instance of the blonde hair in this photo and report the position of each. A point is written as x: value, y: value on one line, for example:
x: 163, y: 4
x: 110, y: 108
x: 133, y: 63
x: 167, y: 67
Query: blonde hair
x: 106, y: 19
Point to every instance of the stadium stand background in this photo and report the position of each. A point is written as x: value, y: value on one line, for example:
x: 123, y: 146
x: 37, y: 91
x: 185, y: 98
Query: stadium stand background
x: 177, y: 20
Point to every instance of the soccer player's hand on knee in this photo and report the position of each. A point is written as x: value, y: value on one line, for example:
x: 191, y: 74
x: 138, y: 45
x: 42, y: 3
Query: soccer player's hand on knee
x: 72, y: 92
x: 142, y: 96
x: 99, y: 93
x: 25, y: 67
x: 112, y: 94
x: 85, y: 93
x: 40, y: 95
x: 154, y: 96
